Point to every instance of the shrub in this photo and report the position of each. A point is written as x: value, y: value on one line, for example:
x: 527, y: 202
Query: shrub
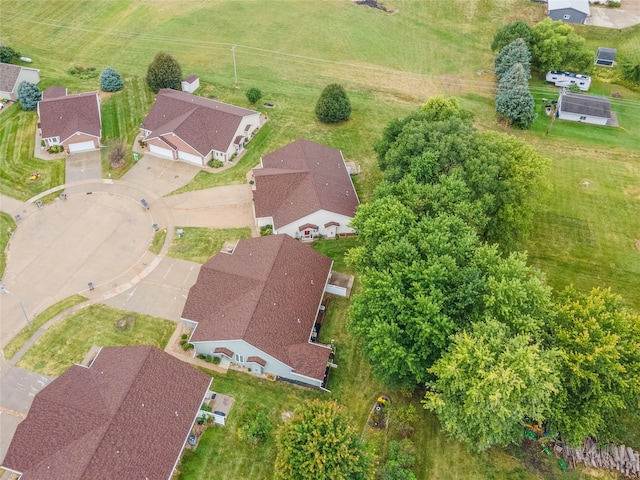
x: 201, y: 356
x: 28, y: 95
x: 215, y: 163
x: 182, y: 341
x: 164, y: 72
x: 255, y: 426
x: 8, y: 55
x: 333, y: 104
x: 55, y: 149
x: 117, y: 153
x: 184, y: 336
x: 110, y: 80
x: 216, y: 360
x: 207, y: 359
x: 253, y: 95
x: 266, y: 230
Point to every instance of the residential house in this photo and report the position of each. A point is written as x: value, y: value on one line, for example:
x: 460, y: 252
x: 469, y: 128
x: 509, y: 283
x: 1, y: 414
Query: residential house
x: 258, y: 305
x: 304, y: 190
x: 127, y: 415
x: 73, y: 121
x: 585, y: 108
x: 11, y: 76
x: 569, y: 11
x: 191, y: 83
x: 181, y: 126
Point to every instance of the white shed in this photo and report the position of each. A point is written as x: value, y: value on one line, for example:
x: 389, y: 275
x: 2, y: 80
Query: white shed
x: 191, y: 83
x: 584, y: 108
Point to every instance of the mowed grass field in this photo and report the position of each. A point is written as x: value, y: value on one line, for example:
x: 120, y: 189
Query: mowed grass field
x: 389, y: 64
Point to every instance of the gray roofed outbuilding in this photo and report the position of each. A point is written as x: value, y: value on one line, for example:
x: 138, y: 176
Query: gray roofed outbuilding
x: 606, y: 57
x: 586, y: 105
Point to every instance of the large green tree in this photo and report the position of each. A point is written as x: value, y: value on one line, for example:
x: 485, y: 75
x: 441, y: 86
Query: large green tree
x: 164, y: 72
x: 510, y: 32
x: 488, y: 382
x: 517, y: 52
x: 599, y: 339
x: 29, y: 95
x: 629, y: 68
x: 8, y: 54
x: 555, y: 46
x: 515, y: 106
x: 333, y: 105
x: 319, y: 443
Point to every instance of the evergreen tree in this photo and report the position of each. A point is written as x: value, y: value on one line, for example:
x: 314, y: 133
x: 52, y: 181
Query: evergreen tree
x: 253, y: 94
x: 333, y: 104
x: 516, y: 52
x: 110, y: 80
x: 164, y: 72
x: 516, y: 106
x: 8, y: 55
x: 28, y: 95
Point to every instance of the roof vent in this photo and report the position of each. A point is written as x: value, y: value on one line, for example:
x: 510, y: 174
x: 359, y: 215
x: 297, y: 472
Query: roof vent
x: 143, y: 404
x: 298, y: 321
x: 118, y: 451
x: 176, y: 413
x: 311, y: 282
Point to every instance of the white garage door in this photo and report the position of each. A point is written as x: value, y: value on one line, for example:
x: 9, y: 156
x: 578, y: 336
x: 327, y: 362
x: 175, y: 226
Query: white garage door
x: 162, y: 152
x: 81, y: 146
x: 189, y: 158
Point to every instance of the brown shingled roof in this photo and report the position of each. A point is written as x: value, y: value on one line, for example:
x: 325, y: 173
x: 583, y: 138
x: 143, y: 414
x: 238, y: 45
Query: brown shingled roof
x: 8, y: 77
x: 190, y: 78
x: 127, y: 416
x: 202, y: 123
x: 300, y: 179
x: 54, y: 91
x: 64, y: 116
x: 267, y: 293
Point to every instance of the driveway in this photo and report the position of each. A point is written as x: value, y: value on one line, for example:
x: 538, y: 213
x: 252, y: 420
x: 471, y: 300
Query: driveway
x: 160, y: 175
x: 221, y: 207
x: 83, y: 166
x: 626, y: 16
x: 17, y: 389
x: 58, y: 249
x: 163, y: 292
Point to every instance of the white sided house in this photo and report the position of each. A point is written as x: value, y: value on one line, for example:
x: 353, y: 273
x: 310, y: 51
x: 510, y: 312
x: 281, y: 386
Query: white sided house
x: 305, y: 191
x: 585, y: 109
x: 258, y: 307
x: 182, y: 126
x: 73, y: 121
x: 566, y: 79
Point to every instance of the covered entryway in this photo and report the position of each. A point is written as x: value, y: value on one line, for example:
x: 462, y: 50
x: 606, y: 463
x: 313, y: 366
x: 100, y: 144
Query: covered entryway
x: 161, y: 152
x: 82, y: 146
x: 188, y: 157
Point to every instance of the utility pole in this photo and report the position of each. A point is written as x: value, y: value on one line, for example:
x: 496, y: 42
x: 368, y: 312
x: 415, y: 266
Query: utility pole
x: 555, y: 110
x: 235, y: 71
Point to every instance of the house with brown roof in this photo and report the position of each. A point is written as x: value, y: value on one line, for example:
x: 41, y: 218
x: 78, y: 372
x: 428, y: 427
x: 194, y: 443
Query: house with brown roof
x: 73, y: 121
x: 181, y: 126
x: 127, y: 415
x: 304, y: 190
x: 258, y: 306
x: 585, y: 109
x: 11, y: 76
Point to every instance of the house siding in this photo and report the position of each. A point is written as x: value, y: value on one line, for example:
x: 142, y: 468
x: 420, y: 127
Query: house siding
x: 26, y: 74
x: 254, y: 121
x: 319, y: 218
x: 574, y: 15
x: 81, y: 137
x: 240, y: 347
x: 576, y: 117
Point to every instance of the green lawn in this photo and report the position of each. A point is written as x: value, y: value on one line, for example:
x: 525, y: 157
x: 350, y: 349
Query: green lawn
x: 200, y: 244
x: 7, y: 226
x: 335, y: 250
x: 68, y: 341
x: 158, y: 241
x: 25, y: 334
x: 17, y: 163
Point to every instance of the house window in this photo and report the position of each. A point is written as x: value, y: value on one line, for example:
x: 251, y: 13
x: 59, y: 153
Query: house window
x: 239, y: 358
x: 566, y: 16
x: 583, y: 118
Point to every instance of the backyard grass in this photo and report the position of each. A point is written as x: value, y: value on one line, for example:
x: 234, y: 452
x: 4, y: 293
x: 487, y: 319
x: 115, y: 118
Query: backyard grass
x: 336, y: 250
x: 68, y: 341
x: 25, y: 334
x: 7, y: 226
x: 17, y: 163
x: 200, y: 244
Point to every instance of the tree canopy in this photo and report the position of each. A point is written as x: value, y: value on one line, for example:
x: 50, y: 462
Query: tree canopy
x: 318, y: 443
x: 510, y: 32
x: 164, y: 72
x: 28, y: 95
x: 600, y: 365
x: 488, y: 382
x: 110, y: 80
x: 629, y: 67
x: 253, y: 94
x: 8, y: 54
x: 516, y: 106
x: 333, y: 105
x: 556, y: 47
x: 516, y: 52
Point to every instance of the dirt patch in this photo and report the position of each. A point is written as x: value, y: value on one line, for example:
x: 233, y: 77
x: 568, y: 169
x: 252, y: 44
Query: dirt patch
x: 533, y: 457
x: 638, y: 245
x: 375, y: 4
x: 633, y: 191
x: 286, y: 416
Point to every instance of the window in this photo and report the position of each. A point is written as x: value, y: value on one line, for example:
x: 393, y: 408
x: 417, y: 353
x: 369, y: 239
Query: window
x: 566, y: 16
x: 583, y: 118
x: 239, y: 358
